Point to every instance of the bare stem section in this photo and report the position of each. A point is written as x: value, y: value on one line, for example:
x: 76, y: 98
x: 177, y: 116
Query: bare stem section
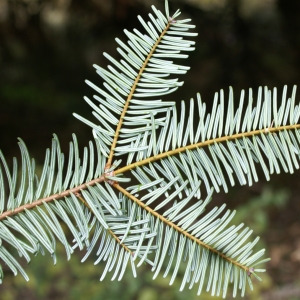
x: 76, y: 191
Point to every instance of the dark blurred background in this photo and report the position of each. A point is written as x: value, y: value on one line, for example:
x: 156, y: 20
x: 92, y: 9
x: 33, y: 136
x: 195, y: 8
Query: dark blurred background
x: 47, y: 49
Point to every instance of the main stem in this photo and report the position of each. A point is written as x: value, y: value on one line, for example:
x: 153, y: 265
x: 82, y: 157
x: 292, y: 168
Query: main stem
x: 76, y: 191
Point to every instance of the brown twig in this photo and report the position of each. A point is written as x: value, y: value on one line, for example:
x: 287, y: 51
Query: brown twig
x: 75, y: 191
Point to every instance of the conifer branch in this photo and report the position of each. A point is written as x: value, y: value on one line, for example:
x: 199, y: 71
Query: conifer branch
x: 222, y: 139
x: 116, y: 135
x: 178, y: 228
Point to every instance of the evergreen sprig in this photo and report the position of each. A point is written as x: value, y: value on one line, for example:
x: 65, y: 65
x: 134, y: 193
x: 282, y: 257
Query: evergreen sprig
x: 177, y: 156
